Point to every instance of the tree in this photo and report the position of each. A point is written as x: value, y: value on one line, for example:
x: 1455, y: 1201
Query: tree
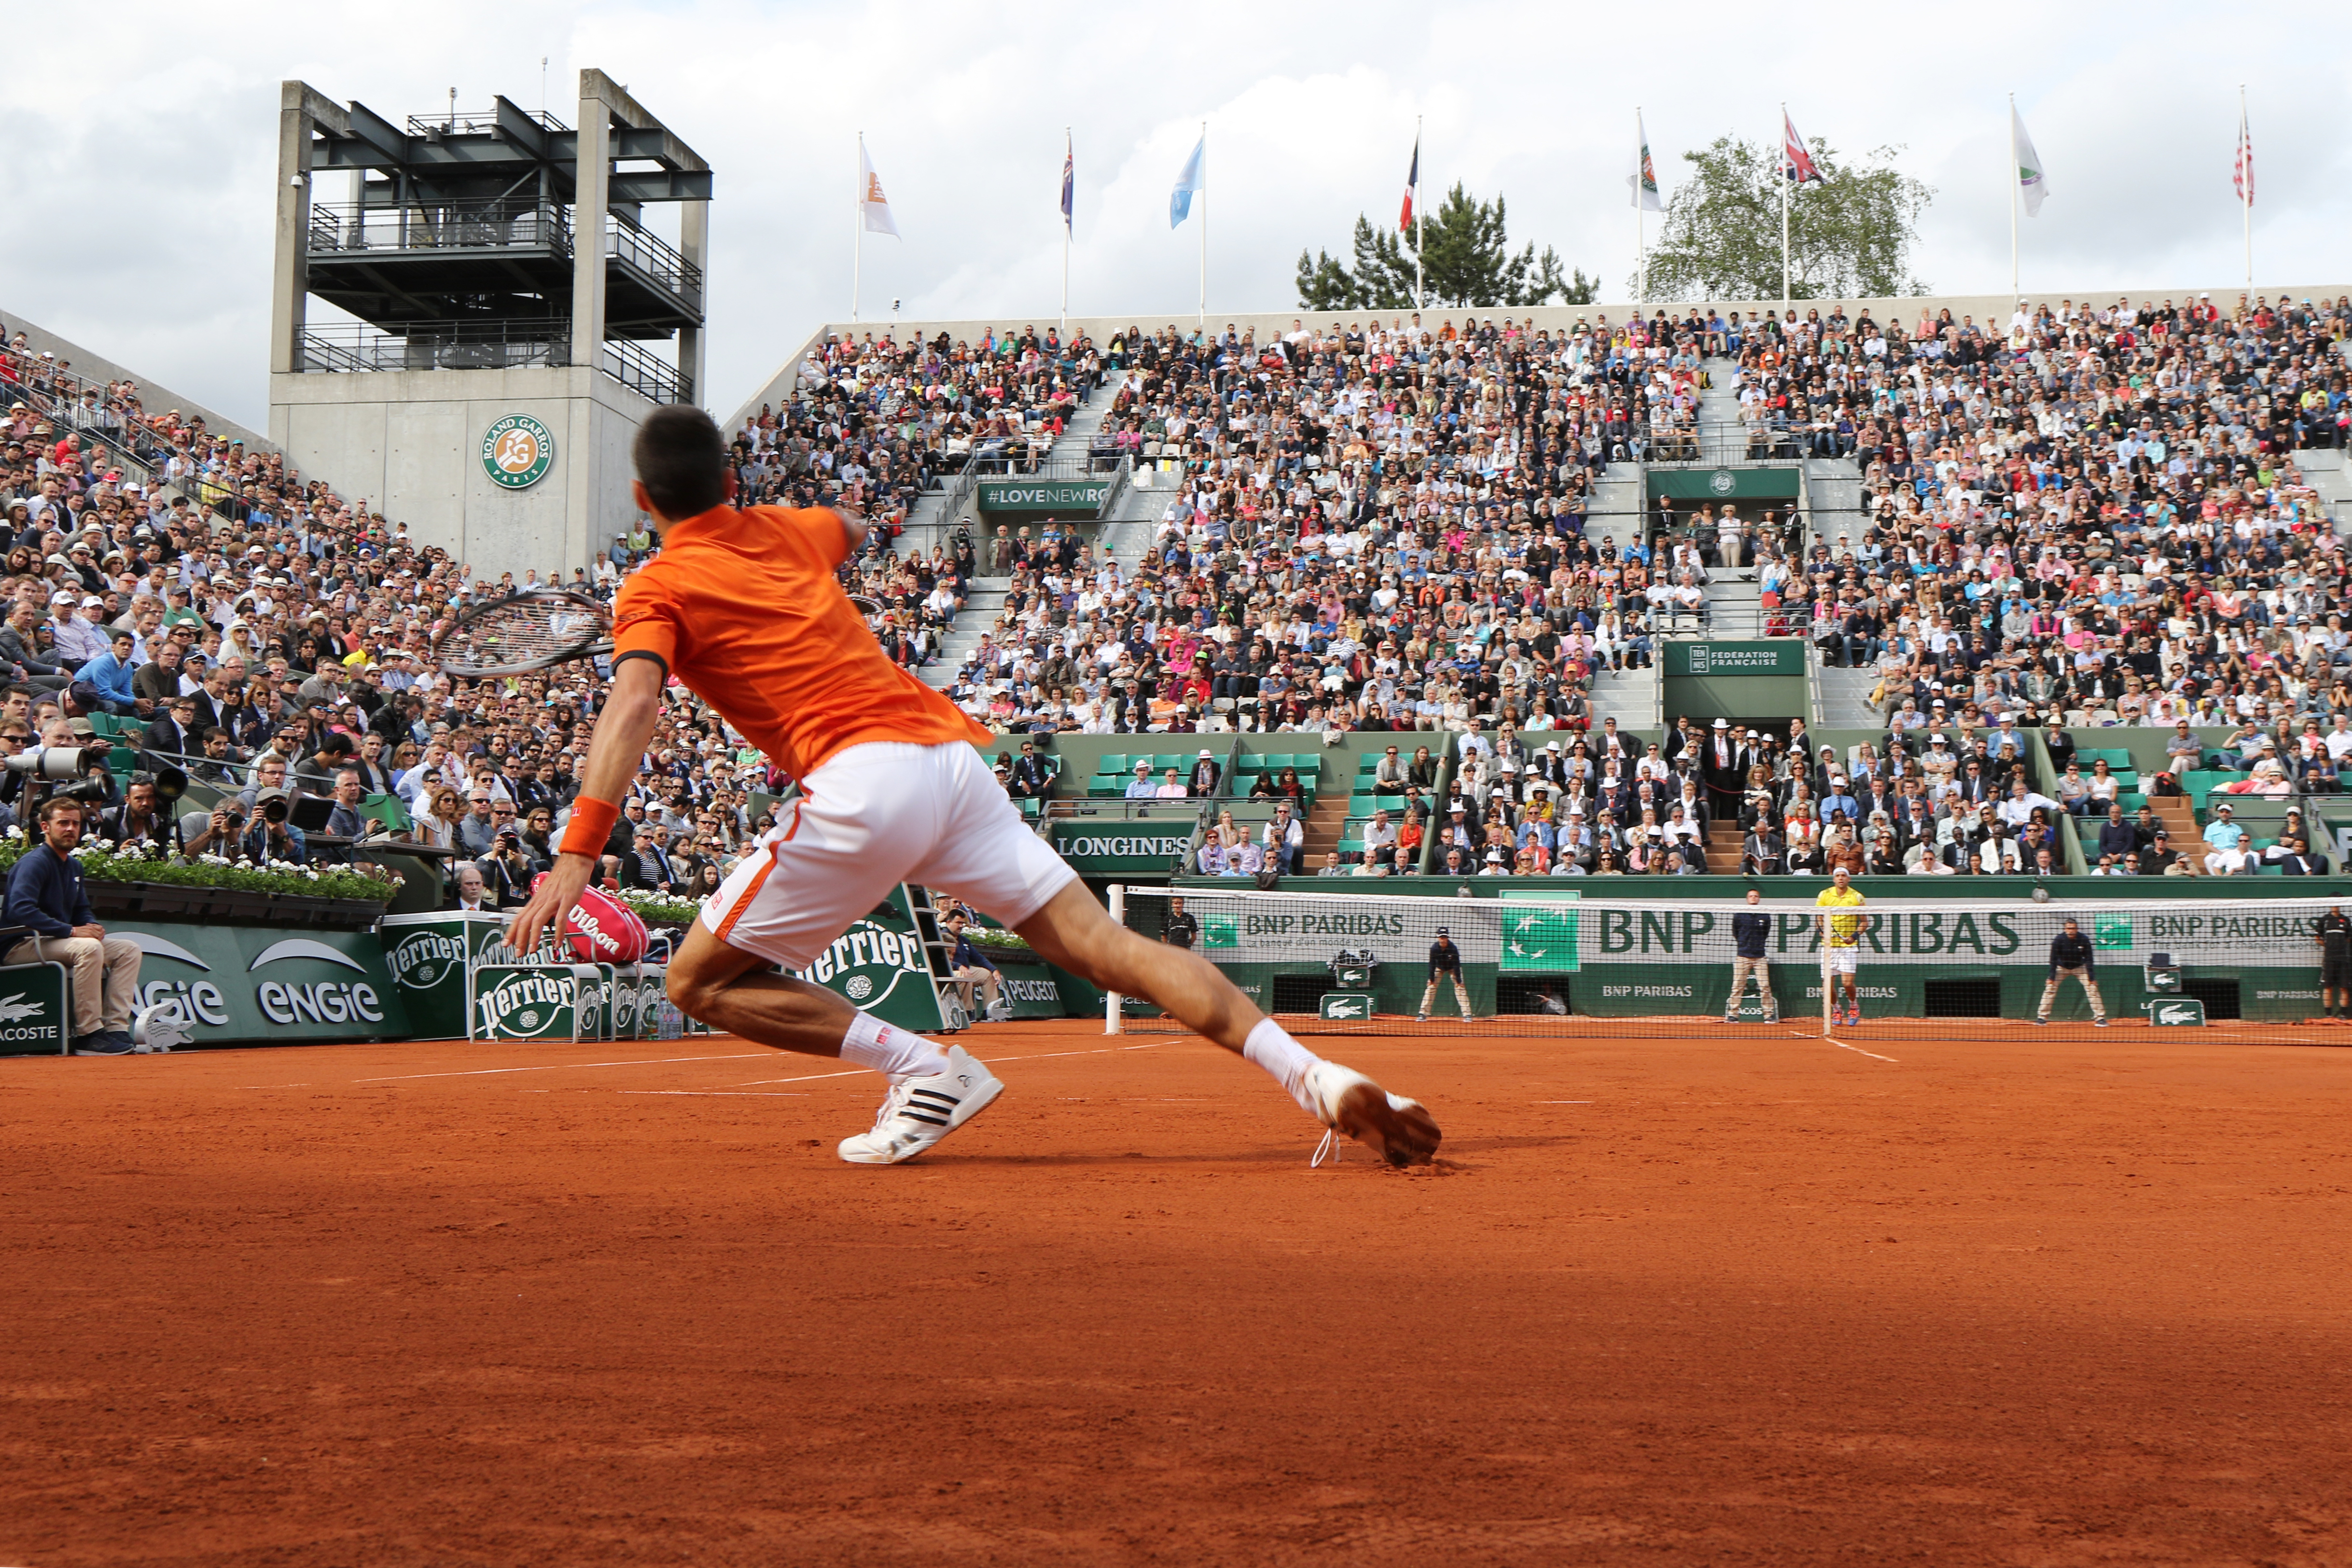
x: 1465, y: 261
x: 1849, y: 237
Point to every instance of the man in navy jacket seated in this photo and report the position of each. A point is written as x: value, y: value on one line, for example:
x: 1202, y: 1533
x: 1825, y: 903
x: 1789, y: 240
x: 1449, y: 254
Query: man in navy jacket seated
x: 45, y: 895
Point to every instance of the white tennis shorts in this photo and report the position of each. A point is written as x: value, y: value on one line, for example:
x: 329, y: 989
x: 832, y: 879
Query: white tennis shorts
x: 872, y: 817
x: 1840, y: 960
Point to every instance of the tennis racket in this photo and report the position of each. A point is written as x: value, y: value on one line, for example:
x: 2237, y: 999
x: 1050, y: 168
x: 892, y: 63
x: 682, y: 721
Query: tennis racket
x: 525, y: 632
x: 538, y: 631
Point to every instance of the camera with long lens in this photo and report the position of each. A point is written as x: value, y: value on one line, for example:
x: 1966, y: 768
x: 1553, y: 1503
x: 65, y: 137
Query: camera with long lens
x: 274, y: 808
x: 53, y: 770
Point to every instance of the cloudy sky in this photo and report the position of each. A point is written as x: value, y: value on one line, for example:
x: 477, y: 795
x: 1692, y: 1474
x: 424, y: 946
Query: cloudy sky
x: 140, y: 175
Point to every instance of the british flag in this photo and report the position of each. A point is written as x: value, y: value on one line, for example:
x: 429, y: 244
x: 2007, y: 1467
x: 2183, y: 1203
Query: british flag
x: 1796, y: 163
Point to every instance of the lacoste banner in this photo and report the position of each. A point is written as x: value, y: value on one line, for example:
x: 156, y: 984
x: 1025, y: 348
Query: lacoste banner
x: 33, y: 1018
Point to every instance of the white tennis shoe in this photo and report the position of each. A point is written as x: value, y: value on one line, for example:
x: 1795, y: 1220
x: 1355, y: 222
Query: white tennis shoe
x: 1393, y: 1127
x: 919, y: 1112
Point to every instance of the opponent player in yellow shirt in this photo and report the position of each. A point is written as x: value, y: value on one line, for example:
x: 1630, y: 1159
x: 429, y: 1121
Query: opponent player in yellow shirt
x: 1841, y: 944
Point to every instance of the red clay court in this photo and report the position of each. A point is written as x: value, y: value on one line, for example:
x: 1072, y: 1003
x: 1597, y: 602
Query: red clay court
x: 2041, y: 1300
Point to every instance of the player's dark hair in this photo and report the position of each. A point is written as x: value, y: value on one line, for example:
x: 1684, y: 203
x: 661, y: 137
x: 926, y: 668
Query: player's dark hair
x: 681, y: 460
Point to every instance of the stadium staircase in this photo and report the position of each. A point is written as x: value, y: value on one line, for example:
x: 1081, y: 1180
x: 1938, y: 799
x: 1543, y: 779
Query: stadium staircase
x: 1325, y: 824
x: 2325, y: 471
x: 981, y: 605
x: 1720, y: 439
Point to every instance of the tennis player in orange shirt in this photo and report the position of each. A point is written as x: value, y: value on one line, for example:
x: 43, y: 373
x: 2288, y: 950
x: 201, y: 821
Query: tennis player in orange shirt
x: 742, y: 606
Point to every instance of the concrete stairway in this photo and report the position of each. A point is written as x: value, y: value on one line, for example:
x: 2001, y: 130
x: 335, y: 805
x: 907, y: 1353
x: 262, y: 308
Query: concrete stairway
x: 1629, y: 696
x: 981, y: 607
x: 1835, y: 485
x: 2326, y: 472
x: 1844, y: 695
x: 1615, y: 508
x: 1720, y: 439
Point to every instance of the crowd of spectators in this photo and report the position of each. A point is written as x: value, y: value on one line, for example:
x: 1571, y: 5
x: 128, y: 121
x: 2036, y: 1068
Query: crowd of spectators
x: 1376, y: 526
x: 227, y: 618
x: 872, y: 425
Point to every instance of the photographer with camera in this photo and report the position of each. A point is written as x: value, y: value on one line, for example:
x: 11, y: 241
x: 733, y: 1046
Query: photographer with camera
x: 268, y: 835
x: 507, y: 871
x: 213, y: 832
x: 46, y: 894
x: 138, y: 820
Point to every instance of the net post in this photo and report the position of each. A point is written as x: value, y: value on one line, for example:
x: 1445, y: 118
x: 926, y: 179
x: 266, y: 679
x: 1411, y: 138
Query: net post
x: 1117, y: 917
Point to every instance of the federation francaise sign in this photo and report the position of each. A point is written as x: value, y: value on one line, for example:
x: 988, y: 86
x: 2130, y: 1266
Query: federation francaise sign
x: 1775, y: 657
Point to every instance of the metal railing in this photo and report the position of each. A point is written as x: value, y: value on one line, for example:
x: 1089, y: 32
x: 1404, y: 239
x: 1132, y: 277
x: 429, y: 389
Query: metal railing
x: 524, y: 222
x: 339, y: 346
x: 544, y: 341
x: 653, y: 258
x: 646, y: 373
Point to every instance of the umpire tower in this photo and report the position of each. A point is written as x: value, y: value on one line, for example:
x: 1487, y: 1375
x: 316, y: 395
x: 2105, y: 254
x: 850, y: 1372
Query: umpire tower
x: 501, y: 319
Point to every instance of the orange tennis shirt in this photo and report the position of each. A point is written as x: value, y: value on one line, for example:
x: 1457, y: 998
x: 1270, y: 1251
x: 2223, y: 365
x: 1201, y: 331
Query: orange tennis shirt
x: 743, y: 607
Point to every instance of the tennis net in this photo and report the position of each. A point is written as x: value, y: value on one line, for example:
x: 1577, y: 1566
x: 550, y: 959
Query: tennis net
x: 1546, y: 965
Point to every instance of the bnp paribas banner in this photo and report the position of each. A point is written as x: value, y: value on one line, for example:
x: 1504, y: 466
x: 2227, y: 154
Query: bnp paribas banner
x: 1553, y: 934
x: 1606, y: 956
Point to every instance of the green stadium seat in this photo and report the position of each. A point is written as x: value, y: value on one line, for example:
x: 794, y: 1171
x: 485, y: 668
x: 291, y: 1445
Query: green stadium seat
x: 387, y: 810
x: 1113, y: 762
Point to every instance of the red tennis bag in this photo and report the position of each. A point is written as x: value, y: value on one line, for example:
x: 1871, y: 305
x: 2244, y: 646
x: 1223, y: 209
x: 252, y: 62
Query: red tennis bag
x: 601, y: 929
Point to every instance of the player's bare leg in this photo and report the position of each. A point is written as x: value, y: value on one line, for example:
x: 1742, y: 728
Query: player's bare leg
x: 1074, y: 931
x: 932, y: 1091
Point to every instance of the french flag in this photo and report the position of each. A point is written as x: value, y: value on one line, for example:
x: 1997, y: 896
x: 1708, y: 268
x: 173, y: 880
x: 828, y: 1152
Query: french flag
x: 1411, y: 186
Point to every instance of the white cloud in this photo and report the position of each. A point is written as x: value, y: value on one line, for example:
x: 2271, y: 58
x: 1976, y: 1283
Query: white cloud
x: 139, y: 182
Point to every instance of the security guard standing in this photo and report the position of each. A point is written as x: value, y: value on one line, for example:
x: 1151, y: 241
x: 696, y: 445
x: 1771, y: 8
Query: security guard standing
x: 2335, y: 936
x: 1444, y: 962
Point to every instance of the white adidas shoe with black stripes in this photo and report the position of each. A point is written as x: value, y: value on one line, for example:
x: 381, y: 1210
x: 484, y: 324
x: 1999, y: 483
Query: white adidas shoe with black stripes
x: 919, y: 1112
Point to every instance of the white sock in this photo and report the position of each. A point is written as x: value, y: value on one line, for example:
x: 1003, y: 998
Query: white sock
x: 1270, y: 1046
x: 887, y: 1048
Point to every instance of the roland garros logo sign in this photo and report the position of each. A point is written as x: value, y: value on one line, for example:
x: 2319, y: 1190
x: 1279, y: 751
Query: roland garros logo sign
x: 517, y: 452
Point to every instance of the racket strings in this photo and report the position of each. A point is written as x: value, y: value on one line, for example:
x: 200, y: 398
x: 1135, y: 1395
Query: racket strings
x: 517, y: 634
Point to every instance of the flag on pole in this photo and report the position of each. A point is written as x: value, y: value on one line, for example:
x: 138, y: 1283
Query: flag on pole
x: 1411, y: 185
x: 2244, y: 176
x: 1643, y: 180
x: 870, y: 198
x: 2030, y: 185
x: 1193, y: 177
x: 1069, y: 179
x: 1796, y: 161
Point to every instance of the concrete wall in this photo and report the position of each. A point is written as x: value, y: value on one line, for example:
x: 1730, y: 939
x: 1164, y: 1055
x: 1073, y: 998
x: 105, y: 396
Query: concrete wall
x: 777, y: 388
x: 153, y: 396
x: 409, y: 442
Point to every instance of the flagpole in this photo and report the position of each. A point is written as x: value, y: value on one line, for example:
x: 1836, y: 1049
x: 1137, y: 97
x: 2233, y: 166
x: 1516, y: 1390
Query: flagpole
x: 1420, y: 302
x: 857, y: 225
x: 2246, y: 186
x: 1640, y: 256
x: 1203, y: 195
x: 1788, y: 176
x: 1068, y: 151
x: 2014, y: 176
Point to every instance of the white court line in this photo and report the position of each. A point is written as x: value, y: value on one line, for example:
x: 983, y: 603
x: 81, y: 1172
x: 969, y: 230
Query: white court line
x: 1859, y: 1051
x: 725, y: 1093
x: 1566, y: 1101
x: 560, y: 1066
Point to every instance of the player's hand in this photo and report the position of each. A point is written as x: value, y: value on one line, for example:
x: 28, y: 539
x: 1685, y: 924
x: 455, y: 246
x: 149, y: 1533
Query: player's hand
x: 551, y: 904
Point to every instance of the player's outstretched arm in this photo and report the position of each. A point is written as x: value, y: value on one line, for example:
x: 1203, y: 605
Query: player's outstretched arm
x: 623, y: 731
